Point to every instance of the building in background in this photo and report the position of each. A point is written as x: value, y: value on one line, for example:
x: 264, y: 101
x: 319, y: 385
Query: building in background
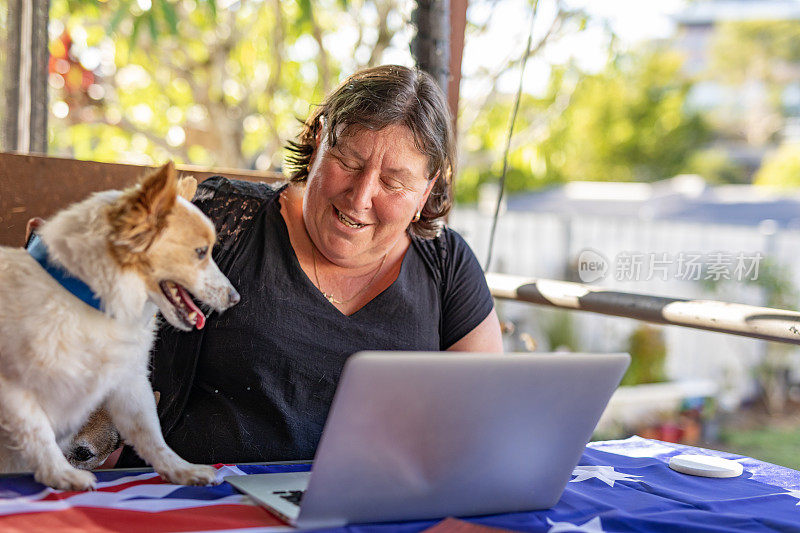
x: 752, y: 99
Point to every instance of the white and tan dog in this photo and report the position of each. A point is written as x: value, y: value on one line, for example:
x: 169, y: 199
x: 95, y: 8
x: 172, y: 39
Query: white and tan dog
x: 139, y: 251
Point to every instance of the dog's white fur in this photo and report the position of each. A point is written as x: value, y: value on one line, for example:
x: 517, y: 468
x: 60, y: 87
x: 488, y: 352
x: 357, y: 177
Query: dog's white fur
x: 61, y: 359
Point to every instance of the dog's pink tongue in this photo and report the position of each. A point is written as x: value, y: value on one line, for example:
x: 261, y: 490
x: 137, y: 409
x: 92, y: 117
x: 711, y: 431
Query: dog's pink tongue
x: 200, y: 318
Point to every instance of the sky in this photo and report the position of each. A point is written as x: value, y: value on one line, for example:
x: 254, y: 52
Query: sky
x: 508, y: 26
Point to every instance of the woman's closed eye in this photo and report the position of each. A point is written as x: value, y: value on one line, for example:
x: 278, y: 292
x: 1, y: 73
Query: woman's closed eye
x: 346, y: 164
x: 392, y: 184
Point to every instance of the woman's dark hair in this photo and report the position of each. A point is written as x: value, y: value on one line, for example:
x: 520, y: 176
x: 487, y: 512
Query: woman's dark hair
x: 382, y: 96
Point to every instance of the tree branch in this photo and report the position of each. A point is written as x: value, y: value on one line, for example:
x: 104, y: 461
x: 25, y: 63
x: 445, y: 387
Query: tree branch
x: 324, y: 60
x: 384, y: 36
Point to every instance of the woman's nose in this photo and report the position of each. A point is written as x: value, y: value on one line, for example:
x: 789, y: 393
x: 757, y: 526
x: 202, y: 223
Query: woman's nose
x: 364, y: 188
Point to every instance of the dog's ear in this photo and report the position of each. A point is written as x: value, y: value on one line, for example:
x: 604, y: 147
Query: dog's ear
x: 141, y: 213
x: 187, y: 186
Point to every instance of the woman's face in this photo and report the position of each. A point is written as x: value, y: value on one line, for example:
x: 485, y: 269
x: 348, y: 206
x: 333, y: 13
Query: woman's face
x: 362, y: 193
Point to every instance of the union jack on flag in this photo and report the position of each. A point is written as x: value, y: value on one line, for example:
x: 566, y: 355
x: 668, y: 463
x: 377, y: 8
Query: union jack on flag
x: 135, y: 502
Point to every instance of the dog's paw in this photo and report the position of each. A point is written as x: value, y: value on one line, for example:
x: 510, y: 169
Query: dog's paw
x: 67, y: 479
x: 189, y: 474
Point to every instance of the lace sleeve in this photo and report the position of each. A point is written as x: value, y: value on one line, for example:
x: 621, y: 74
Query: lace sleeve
x: 231, y: 205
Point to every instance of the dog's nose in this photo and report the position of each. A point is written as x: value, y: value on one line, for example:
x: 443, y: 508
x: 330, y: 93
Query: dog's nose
x: 233, y: 297
x: 82, y: 453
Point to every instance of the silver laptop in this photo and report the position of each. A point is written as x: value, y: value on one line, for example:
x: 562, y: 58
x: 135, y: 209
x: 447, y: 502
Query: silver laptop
x: 428, y: 435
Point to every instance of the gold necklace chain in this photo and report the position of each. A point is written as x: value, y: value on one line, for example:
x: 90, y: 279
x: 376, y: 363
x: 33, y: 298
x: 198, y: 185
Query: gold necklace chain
x: 330, y: 297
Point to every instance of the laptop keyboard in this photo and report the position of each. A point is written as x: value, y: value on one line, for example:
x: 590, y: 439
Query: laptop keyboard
x: 291, y: 496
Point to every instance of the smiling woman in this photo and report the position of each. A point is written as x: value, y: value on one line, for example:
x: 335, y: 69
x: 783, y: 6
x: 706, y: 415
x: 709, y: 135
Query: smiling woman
x: 348, y: 222
x: 352, y: 254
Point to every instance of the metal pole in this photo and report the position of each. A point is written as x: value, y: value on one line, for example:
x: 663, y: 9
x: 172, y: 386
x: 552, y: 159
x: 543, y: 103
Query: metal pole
x: 737, y: 319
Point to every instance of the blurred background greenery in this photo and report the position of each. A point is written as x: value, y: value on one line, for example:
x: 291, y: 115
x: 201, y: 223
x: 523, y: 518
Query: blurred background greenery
x: 222, y: 82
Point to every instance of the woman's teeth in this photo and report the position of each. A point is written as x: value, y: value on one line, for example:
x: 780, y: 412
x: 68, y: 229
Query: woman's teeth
x: 348, y: 222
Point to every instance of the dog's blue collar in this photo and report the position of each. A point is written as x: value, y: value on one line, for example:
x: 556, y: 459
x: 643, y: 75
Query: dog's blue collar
x: 79, y: 289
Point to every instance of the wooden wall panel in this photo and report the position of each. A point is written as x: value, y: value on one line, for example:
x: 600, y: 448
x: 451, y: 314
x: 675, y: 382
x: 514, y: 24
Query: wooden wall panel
x: 34, y: 185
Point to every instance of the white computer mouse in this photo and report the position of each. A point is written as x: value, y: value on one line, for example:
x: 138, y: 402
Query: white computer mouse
x: 705, y: 465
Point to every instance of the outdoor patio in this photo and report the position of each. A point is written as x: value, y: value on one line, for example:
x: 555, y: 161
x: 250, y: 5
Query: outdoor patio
x: 627, y: 176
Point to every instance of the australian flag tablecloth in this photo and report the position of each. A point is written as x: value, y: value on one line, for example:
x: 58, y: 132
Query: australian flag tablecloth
x: 619, y: 486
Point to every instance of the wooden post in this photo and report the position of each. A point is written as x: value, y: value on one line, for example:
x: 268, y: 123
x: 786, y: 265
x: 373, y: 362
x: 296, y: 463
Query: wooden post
x: 458, y: 25
x: 25, y: 118
x: 431, y: 45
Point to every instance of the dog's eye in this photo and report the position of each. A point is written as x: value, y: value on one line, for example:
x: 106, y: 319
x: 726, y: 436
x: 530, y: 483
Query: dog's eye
x: 201, y: 252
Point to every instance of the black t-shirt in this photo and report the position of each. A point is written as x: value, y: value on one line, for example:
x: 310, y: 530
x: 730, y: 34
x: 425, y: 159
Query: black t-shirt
x: 257, y: 382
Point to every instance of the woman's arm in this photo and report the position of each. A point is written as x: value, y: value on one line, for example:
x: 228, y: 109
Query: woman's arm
x: 485, y: 337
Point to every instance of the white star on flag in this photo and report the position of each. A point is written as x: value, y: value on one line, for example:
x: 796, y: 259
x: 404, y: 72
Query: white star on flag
x: 794, y: 493
x: 606, y: 474
x: 592, y: 526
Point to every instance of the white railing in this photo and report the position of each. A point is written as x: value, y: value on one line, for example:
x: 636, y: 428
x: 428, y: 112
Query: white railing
x: 737, y: 319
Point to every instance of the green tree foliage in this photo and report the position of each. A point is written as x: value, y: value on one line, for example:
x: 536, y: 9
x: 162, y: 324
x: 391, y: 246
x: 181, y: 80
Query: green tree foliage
x: 203, y: 81
x: 756, y: 49
x: 626, y: 123
x: 781, y: 168
x: 483, y: 144
x: 764, y: 57
x: 560, y: 331
x: 716, y: 166
x: 648, y: 353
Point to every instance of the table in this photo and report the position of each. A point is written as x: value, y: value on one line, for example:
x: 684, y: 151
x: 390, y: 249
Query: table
x: 619, y: 486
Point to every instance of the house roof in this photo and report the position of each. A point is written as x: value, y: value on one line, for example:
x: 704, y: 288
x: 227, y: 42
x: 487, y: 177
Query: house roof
x: 713, y: 11
x: 686, y: 198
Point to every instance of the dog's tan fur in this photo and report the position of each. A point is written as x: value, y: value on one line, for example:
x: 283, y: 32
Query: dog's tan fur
x: 94, y: 443
x: 60, y: 359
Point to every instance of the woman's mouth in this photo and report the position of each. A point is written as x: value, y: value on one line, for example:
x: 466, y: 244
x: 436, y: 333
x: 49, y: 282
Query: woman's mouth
x: 347, y: 221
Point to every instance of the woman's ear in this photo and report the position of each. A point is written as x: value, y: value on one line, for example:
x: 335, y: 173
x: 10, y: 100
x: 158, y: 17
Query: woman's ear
x: 318, y: 137
x: 320, y: 132
x: 428, y: 189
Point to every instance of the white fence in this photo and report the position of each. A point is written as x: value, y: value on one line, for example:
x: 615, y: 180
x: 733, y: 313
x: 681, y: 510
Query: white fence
x: 546, y: 245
